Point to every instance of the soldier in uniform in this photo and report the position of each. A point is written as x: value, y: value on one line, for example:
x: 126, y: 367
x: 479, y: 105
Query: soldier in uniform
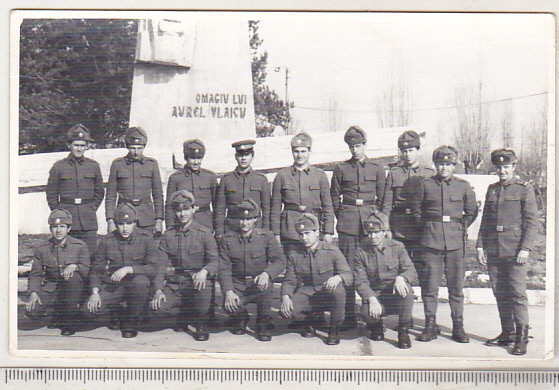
x: 356, y: 190
x: 240, y: 184
x: 57, y: 276
x: 76, y: 185
x: 383, y: 276
x: 507, y: 234
x: 300, y: 188
x: 201, y: 182
x: 123, y: 266
x: 443, y: 207
x: 315, y: 280
x: 250, y: 259
x: 135, y: 179
x: 193, y: 253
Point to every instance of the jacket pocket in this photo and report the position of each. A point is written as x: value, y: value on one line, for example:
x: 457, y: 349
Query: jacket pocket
x: 456, y: 198
x: 146, y: 174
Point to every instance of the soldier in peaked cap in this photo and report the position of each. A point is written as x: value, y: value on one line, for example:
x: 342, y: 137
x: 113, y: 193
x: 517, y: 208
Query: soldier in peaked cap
x: 240, y: 184
x: 356, y: 190
x: 192, y: 251
x: 507, y: 234
x: 383, y: 276
x: 56, y: 279
x: 314, y: 280
x: 300, y: 188
x: 200, y: 181
x: 443, y: 207
x: 250, y: 259
x: 75, y: 184
x: 123, y: 266
x: 136, y: 179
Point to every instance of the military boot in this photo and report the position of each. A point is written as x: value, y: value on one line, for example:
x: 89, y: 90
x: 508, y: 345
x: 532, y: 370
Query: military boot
x: 333, y: 335
x: 376, y: 330
x: 521, y: 342
x: 504, y: 339
x: 263, y: 330
x: 202, y: 333
x: 404, y: 341
x: 430, y: 331
x: 458, y: 333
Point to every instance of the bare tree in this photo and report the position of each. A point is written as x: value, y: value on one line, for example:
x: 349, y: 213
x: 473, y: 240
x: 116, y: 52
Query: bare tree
x: 533, y: 153
x: 394, y: 103
x: 333, y: 115
x: 506, y: 125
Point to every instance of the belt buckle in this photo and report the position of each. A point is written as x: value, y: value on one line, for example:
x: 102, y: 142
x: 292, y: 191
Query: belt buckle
x: 446, y: 218
x: 77, y: 201
x: 359, y: 202
x: 408, y: 211
x: 500, y: 228
x: 136, y: 202
x: 302, y: 208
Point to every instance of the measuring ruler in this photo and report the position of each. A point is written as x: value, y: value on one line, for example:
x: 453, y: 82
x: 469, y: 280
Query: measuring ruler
x: 171, y: 378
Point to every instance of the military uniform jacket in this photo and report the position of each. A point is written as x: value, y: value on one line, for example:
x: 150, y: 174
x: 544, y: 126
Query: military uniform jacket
x: 308, y: 189
x: 136, y: 182
x: 314, y: 269
x: 234, y: 187
x: 510, y: 219
x: 242, y: 259
x: 50, y: 260
x: 377, y: 268
x: 400, y: 183
x: 203, y: 184
x: 442, y: 209
x: 77, y: 186
x: 189, y: 250
x: 138, y: 251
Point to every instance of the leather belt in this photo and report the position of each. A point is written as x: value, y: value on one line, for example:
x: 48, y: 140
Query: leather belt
x: 202, y: 209
x: 76, y: 201
x: 442, y: 218
x: 507, y: 228
x: 358, y: 202
x: 133, y: 202
x: 301, y: 208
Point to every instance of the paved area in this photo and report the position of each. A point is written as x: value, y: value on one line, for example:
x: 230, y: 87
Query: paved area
x: 481, y: 322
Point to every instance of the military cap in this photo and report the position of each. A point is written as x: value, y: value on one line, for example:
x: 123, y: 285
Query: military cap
x: 125, y: 212
x: 301, y: 139
x: 409, y: 139
x: 243, y: 147
x: 247, y: 208
x: 181, y: 200
x: 59, y: 216
x: 355, y: 135
x: 445, y: 154
x: 307, y: 222
x: 194, y: 148
x: 376, y: 222
x: 135, y: 136
x: 78, y: 133
x: 503, y: 156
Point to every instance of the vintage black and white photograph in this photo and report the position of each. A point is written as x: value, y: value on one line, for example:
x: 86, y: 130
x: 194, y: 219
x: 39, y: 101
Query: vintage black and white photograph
x: 283, y: 184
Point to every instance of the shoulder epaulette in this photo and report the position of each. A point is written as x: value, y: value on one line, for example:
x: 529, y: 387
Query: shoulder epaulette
x: 207, y: 171
x: 201, y: 227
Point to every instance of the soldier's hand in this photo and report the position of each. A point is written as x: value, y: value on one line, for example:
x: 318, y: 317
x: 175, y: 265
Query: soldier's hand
x: 33, y: 299
x: 522, y: 257
x: 278, y: 239
x: 375, y: 308
x: 481, y: 256
x: 232, y: 301
x: 262, y: 280
x: 400, y: 286
x: 94, y: 302
x: 333, y: 282
x: 286, y: 307
x: 155, y: 303
x: 158, y: 228
x: 119, y: 274
x: 69, y: 271
x: 328, y: 238
x: 199, y: 279
x: 111, y: 226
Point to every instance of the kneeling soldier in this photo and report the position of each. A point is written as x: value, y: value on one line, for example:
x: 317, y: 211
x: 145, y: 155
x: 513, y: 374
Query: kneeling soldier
x: 59, y: 267
x: 315, y: 279
x: 383, y: 272
x: 193, y: 253
x: 250, y: 259
x: 125, y: 262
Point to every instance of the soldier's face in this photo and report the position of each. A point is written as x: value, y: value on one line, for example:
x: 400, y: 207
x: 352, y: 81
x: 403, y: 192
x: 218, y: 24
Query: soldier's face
x: 505, y: 172
x: 246, y: 224
x: 410, y: 155
x: 125, y: 229
x: 444, y: 170
x: 309, y: 237
x: 136, y: 151
x: 301, y: 155
x: 194, y: 163
x: 377, y: 238
x: 77, y: 148
x: 185, y: 216
x: 60, y: 231
x: 244, y: 159
x: 358, y: 151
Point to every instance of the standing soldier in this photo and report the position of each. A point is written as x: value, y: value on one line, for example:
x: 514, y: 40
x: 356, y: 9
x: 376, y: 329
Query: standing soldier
x: 250, y: 259
x: 314, y: 280
x: 240, y: 184
x: 135, y: 179
x: 193, y: 253
x: 201, y: 182
x: 75, y: 184
x: 357, y: 188
x: 443, y: 207
x: 383, y: 276
x: 56, y: 279
x: 300, y: 188
x: 507, y: 233
x: 122, y: 269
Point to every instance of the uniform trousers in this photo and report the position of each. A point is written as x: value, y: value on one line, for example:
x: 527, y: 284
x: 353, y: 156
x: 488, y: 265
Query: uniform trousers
x: 87, y: 236
x: 348, y: 245
x: 508, y: 281
x: 392, y: 303
x: 307, y: 301
x: 251, y: 294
